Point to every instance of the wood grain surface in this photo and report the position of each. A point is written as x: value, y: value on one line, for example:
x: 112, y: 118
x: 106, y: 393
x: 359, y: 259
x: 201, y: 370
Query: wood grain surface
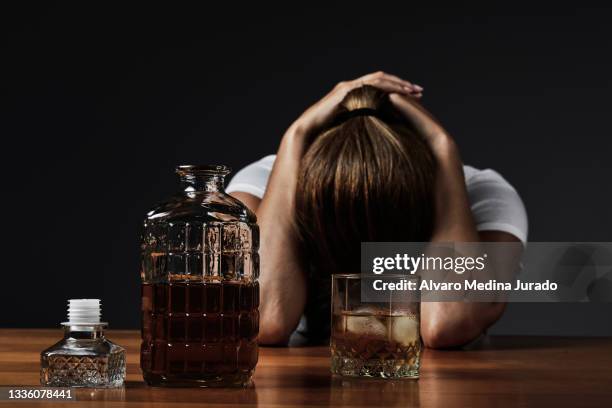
x: 496, y: 372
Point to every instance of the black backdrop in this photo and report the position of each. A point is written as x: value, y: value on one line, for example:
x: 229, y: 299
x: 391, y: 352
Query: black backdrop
x: 100, y: 104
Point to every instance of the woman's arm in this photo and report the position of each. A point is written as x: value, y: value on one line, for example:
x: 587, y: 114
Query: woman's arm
x: 282, y: 279
x: 448, y: 324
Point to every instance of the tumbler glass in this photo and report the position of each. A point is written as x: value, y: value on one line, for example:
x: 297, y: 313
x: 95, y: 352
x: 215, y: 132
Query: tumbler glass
x: 374, y: 339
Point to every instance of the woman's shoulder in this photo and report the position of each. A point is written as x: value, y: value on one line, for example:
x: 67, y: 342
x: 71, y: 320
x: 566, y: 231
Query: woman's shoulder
x: 266, y: 161
x: 496, y: 205
x: 253, y: 177
x: 474, y: 175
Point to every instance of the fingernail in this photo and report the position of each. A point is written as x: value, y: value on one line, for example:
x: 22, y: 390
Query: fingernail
x: 418, y: 87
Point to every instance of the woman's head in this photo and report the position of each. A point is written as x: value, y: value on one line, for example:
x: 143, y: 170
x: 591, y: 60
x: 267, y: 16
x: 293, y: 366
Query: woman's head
x: 367, y: 178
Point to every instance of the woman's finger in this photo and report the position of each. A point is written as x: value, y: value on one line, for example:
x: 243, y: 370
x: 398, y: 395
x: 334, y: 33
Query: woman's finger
x: 407, y: 84
x: 412, y: 87
x: 384, y: 81
x: 384, y: 75
x: 389, y: 86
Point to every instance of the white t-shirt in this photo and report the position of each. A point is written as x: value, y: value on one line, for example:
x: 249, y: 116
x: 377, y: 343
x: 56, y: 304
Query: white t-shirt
x: 495, y: 204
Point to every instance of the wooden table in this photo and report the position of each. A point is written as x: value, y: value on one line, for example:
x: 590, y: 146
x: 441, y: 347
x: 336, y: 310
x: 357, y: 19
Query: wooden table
x: 497, y: 372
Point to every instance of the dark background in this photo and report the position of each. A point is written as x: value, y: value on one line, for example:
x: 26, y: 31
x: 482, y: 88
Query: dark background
x: 100, y: 104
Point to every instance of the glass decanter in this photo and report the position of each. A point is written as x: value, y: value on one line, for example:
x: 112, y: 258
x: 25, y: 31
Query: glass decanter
x: 84, y: 357
x: 200, y: 293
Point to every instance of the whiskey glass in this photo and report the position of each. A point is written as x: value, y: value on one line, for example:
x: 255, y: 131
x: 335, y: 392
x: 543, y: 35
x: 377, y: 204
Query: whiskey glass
x: 374, y: 339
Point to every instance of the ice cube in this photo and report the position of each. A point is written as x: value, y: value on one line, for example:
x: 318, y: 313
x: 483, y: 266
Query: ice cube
x: 404, y: 330
x: 365, y: 325
x: 339, y: 323
x: 369, y: 310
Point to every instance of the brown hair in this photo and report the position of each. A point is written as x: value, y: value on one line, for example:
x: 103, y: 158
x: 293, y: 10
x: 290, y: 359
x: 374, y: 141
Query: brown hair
x: 368, y: 178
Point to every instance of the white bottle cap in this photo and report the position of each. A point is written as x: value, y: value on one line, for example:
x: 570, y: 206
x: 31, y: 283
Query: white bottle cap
x: 83, y: 311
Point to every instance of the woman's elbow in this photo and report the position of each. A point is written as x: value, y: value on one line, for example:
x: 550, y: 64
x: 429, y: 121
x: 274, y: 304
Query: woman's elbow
x: 440, y: 334
x: 438, y: 338
x: 273, y: 334
x: 446, y: 327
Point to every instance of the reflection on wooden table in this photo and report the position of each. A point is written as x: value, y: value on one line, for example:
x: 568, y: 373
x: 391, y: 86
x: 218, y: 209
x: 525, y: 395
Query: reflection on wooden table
x: 499, y: 371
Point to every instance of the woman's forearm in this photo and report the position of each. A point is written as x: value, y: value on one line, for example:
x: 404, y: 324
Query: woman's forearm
x: 453, y: 220
x: 448, y: 324
x: 282, y: 280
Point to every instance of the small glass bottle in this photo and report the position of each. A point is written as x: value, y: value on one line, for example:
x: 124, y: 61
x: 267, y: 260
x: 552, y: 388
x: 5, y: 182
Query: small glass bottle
x: 84, y: 357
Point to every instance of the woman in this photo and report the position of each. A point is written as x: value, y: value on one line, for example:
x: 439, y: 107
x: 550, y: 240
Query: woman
x: 367, y: 163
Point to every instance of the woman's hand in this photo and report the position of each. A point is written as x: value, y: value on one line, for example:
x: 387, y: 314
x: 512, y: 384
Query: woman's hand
x: 322, y: 112
x: 441, y: 143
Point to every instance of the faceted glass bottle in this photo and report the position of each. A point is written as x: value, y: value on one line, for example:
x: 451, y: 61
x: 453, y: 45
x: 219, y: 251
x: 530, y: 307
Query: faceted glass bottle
x: 200, y: 293
x: 84, y: 357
